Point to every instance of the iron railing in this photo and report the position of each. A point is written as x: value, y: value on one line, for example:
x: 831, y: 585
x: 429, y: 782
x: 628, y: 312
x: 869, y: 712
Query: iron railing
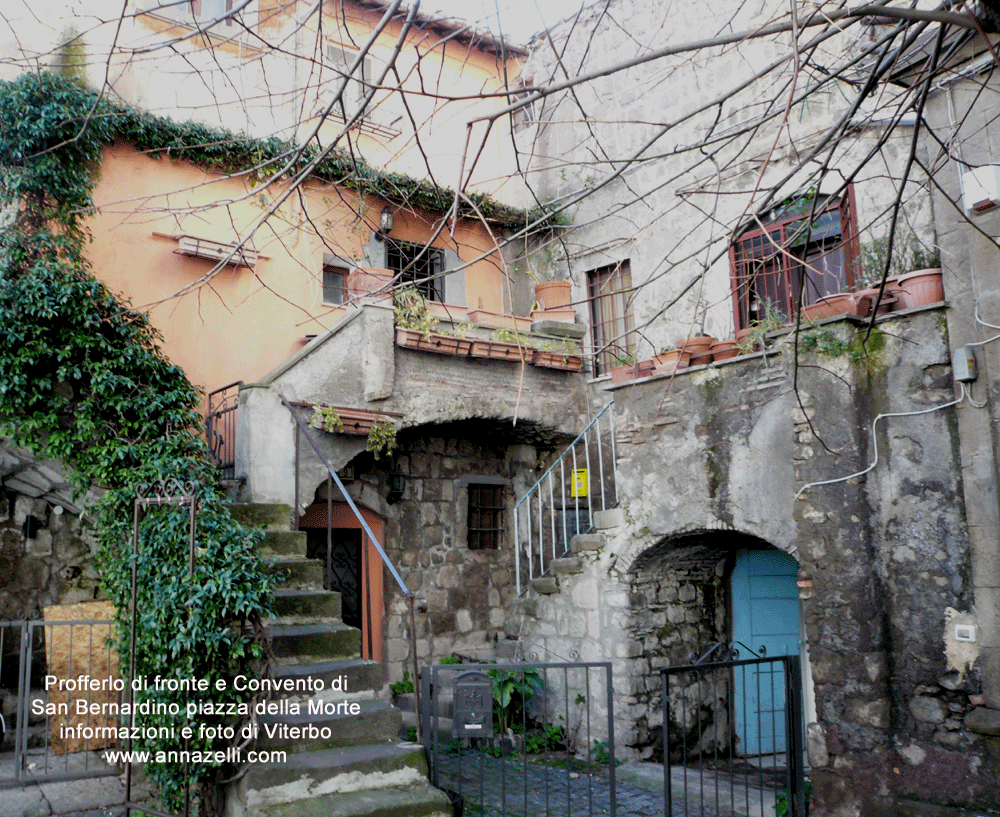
x: 302, y: 430
x: 220, y: 427
x: 52, y: 740
x: 548, y: 752
x: 563, y: 501
x: 732, y: 730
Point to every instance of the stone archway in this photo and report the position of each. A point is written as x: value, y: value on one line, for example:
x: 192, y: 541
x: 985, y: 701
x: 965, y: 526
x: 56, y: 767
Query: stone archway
x: 681, y: 607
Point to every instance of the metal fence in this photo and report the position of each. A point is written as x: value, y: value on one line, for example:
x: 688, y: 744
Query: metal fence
x: 220, y: 427
x: 734, y: 731
x: 563, y: 501
x: 522, y: 739
x: 64, y: 677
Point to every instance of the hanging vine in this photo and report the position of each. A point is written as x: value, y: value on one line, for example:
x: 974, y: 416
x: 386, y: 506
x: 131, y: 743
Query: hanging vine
x: 83, y: 380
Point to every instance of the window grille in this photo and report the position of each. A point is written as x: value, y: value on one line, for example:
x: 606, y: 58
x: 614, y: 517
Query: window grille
x: 416, y: 265
x: 485, y: 518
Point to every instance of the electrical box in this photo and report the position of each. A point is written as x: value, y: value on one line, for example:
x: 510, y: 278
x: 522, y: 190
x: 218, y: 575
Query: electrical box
x: 472, y: 712
x: 981, y: 187
x: 965, y: 632
x: 963, y: 365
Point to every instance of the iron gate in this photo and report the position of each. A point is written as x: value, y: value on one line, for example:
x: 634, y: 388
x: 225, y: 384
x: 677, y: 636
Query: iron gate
x: 711, y: 712
x: 47, y: 739
x: 522, y: 739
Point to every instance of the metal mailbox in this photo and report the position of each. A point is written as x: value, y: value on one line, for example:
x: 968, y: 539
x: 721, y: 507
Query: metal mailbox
x: 472, y: 712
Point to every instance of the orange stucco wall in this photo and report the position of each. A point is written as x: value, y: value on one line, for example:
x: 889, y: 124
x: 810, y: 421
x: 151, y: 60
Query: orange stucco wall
x: 238, y: 323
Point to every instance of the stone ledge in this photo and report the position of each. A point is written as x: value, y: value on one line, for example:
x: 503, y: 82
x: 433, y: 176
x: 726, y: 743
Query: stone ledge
x: 546, y: 585
x: 611, y: 518
x: 583, y: 542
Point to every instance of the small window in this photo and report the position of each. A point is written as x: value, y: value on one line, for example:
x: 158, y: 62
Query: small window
x: 486, y: 513
x: 356, y: 90
x: 418, y: 265
x: 524, y: 117
x: 334, y: 284
x: 611, y: 322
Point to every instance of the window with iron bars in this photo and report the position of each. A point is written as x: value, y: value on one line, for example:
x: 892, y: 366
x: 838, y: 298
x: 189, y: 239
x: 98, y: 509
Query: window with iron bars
x: 792, y: 256
x: 612, y: 325
x: 485, y: 517
x: 416, y: 265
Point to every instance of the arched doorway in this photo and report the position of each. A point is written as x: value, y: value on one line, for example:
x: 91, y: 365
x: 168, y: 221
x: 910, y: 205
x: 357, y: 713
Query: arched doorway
x: 764, y: 599
x: 354, y: 569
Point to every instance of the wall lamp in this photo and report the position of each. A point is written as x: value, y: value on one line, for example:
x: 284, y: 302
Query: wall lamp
x: 385, y: 223
x: 397, y: 484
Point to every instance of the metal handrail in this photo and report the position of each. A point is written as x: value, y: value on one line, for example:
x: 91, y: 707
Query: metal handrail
x: 537, y: 489
x: 331, y: 473
x: 350, y: 502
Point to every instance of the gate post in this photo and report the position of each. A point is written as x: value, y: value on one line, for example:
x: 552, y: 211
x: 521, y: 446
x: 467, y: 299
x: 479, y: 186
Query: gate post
x: 793, y: 731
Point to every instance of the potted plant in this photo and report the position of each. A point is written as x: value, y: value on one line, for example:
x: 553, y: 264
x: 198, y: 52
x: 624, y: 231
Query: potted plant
x: 553, y: 294
x: 725, y: 349
x: 699, y: 347
x: 564, y: 356
x: 415, y: 326
x: 670, y: 359
x: 625, y: 369
x: 502, y: 346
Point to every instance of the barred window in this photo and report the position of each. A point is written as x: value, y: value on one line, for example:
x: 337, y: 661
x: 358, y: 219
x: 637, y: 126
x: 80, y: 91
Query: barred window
x: 793, y: 255
x: 485, y: 518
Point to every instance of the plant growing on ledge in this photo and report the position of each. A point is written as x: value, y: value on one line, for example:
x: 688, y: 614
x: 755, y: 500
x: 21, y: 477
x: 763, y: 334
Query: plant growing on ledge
x: 327, y: 419
x: 412, y: 311
x: 382, y: 439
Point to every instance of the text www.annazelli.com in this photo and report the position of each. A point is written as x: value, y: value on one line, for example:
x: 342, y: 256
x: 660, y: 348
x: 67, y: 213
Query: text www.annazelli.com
x: 231, y: 755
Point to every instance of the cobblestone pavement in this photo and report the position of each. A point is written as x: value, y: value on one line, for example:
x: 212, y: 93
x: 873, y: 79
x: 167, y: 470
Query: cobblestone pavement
x: 496, y: 788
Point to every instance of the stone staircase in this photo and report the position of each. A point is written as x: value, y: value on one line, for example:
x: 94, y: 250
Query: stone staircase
x: 344, y: 757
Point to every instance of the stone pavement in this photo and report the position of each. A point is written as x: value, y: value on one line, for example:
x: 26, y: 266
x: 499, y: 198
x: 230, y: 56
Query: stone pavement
x: 528, y: 788
x: 39, y: 796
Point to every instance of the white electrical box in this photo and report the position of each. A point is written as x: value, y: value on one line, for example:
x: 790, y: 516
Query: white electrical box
x: 981, y: 187
x: 965, y: 632
x: 963, y: 365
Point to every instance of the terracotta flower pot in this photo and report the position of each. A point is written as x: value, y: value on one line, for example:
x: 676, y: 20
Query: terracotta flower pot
x: 553, y: 294
x: 920, y: 288
x: 700, y: 347
x: 743, y: 337
x: 671, y: 360
x: 842, y: 303
x: 724, y: 350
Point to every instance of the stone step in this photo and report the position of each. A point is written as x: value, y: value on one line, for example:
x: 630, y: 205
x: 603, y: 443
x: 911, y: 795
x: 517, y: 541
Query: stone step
x: 546, y: 585
x: 349, y: 675
x: 349, y: 768
x: 586, y: 542
x: 565, y: 566
x: 398, y: 801
x: 444, y: 727
x: 308, y: 643
x: 292, y: 572
x: 284, y: 543
x: 300, y: 605
x: 408, y: 702
x: 256, y: 515
x: 324, y: 724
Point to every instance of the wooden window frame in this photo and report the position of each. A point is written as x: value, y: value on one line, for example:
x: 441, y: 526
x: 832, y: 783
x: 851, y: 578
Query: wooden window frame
x: 486, y: 504
x: 612, y: 324
x: 768, y: 265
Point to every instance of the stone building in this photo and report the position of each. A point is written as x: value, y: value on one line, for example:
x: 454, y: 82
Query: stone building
x: 849, y: 469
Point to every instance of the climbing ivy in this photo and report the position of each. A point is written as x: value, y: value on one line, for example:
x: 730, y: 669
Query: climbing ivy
x: 83, y: 380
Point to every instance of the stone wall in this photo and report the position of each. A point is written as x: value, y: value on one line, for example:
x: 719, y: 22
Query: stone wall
x: 468, y: 592
x: 54, y: 566
x: 729, y: 452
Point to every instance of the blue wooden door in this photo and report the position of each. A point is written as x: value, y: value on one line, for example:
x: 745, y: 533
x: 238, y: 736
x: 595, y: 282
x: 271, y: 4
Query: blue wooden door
x: 765, y: 601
